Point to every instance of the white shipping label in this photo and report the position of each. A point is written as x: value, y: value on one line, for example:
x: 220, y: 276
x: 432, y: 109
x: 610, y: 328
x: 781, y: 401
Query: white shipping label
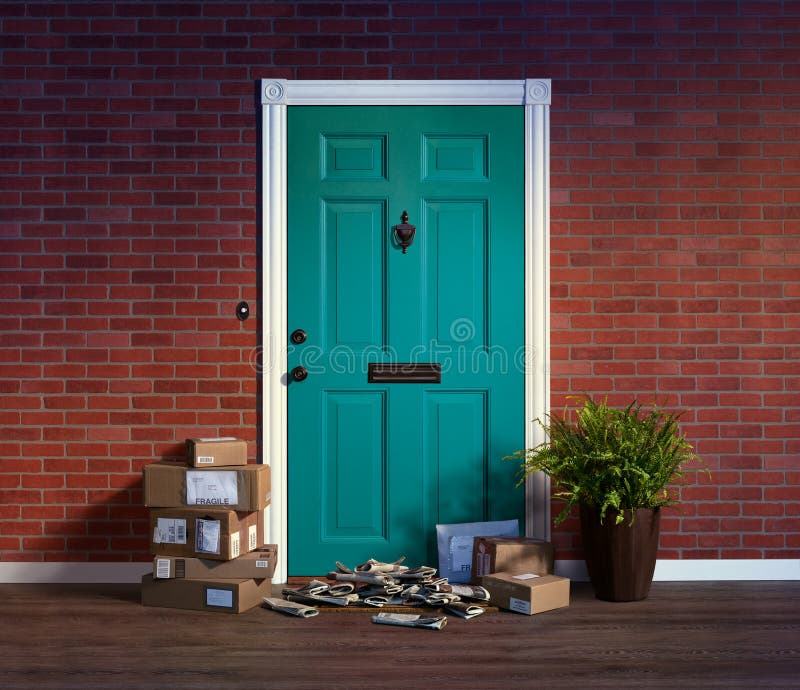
x: 525, y: 576
x: 461, y: 554
x: 519, y: 606
x: 483, y: 562
x: 205, y: 459
x: 162, y: 568
x: 235, y: 545
x: 206, y: 536
x: 262, y: 564
x: 252, y: 538
x: 169, y: 531
x: 209, y: 488
x: 219, y: 597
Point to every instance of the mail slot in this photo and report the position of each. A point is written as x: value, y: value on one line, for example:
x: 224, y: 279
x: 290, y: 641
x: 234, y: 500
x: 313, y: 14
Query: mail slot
x: 404, y: 372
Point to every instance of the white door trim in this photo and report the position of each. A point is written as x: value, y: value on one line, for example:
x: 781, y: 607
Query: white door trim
x: 276, y: 96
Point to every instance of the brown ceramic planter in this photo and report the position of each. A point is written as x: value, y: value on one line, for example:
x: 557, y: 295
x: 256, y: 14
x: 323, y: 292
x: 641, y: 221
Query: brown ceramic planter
x: 620, y: 558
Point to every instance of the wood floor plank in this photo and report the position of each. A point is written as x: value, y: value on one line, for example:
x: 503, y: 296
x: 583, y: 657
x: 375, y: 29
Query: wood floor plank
x: 707, y: 635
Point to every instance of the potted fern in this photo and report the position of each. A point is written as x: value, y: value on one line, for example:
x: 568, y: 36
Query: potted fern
x: 615, y: 464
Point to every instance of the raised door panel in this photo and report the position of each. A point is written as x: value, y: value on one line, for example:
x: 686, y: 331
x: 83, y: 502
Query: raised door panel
x: 353, y: 238
x: 456, y: 290
x: 456, y: 426
x: 353, y: 465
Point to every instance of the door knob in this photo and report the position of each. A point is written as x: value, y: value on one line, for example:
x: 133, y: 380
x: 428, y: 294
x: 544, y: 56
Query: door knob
x: 299, y: 373
x: 298, y: 337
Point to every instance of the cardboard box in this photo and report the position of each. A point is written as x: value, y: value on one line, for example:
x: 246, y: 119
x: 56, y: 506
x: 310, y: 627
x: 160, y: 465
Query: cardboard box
x: 169, y: 485
x: 215, y: 534
x: 223, y: 596
x: 216, y: 452
x: 256, y: 565
x: 510, y: 554
x: 527, y: 593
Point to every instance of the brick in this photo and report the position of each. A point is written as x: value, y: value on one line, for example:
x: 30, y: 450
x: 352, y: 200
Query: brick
x: 650, y: 145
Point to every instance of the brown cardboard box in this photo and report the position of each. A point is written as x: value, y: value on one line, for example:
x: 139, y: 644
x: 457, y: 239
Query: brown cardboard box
x: 169, y: 485
x: 225, y: 596
x: 527, y: 593
x: 216, y: 452
x: 255, y: 565
x: 512, y: 554
x: 215, y: 534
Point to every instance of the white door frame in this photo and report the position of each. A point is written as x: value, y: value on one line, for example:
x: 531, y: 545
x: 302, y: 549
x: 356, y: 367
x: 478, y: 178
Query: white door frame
x: 276, y: 96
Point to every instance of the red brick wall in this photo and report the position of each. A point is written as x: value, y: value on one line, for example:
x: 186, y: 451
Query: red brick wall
x: 128, y: 141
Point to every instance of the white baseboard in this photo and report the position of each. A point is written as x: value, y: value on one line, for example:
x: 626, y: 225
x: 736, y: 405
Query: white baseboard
x: 734, y: 569
x: 52, y: 573
x: 671, y: 570
x: 695, y: 570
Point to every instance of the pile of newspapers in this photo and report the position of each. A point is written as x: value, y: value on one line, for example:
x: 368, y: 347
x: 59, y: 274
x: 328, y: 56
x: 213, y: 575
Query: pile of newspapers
x: 375, y: 584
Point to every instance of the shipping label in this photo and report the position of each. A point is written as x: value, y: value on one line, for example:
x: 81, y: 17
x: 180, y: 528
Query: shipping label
x: 461, y: 554
x: 483, y: 563
x: 219, y: 597
x: 235, y: 545
x: 205, y: 459
x: 519, y: 605
x: 206, y: 534
x: 169, y: 531
x: 209, y: 488
x: 252, y: 538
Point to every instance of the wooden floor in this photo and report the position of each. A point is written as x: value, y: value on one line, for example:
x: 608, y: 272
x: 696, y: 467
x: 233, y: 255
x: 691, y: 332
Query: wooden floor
x: 687, y: 635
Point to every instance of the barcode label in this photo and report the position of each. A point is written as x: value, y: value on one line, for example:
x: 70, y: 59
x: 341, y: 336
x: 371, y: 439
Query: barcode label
x: 162, y: 568
x: 205, y: 460
x: 169, y: 531
x: 262, y: 564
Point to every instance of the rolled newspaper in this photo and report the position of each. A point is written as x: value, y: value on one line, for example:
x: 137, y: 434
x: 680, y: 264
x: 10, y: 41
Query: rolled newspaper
x: 464, y: 610
x: 290, y: 607
x: 410, y: 620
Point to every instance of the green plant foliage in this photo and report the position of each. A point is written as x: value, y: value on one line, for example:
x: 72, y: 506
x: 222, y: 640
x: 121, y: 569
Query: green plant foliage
x: 616, y: 459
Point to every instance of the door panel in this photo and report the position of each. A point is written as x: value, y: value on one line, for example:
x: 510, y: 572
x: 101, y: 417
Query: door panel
x: 456, y: 238
x: 353, y: 157
x: 353, y: 471
x: 353, y: 235
x: 455, y: 158
x: 456, y: 434
x: 373, y: 467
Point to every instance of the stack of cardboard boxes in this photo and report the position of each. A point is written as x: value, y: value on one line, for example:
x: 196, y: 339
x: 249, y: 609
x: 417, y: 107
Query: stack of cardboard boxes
x: 208, y: 529
x: 518, y: 573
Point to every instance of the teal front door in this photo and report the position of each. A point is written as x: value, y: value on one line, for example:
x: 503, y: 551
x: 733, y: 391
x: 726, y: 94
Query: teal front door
x: 379, y: 454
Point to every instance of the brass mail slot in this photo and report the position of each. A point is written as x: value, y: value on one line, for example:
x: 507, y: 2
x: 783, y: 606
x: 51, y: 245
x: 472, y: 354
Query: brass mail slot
x: 404, y: 372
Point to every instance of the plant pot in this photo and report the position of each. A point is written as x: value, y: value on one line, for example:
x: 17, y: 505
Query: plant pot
x: 620, y: 558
